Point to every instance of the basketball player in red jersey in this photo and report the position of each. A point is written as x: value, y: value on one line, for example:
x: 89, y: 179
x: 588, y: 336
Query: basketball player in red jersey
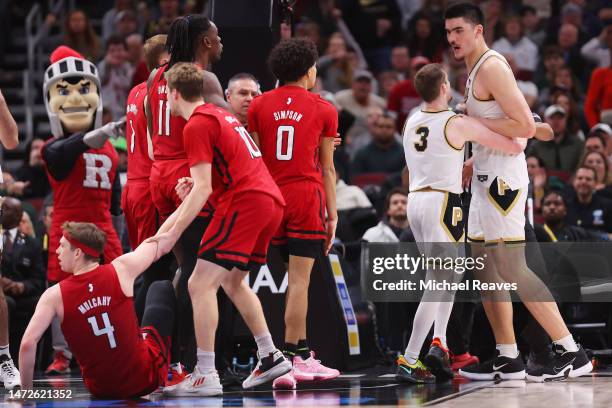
x: 295, y: 131
x: 94, y: 304
x: 249, y: 209
x: 191, y: 38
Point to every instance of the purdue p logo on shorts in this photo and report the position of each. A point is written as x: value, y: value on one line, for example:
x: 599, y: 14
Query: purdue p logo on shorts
x: 502, y: 196
x: 452, y: 216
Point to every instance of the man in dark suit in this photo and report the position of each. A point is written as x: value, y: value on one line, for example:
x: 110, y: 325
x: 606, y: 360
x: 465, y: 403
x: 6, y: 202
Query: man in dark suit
x: 23, y: 274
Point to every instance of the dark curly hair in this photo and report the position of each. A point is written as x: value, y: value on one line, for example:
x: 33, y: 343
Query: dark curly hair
x: 291, y: 59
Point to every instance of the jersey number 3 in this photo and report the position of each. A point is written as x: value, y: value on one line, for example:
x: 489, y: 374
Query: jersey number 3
x: 107, y: 329
x: 421, y: 145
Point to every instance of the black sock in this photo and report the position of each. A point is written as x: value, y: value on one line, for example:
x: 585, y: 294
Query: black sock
x: 303, y: 350
x: 290, y: 350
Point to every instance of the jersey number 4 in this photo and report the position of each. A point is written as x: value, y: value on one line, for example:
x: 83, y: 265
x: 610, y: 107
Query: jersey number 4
x: 107, y: 329
x: 421, y: 145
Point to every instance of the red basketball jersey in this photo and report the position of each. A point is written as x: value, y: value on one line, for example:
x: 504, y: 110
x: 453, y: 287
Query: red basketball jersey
x: 86, y: 193
x: 167, y: 129
x: 213, y: 135
x: 102, y: 331
x: 139, y: 162
x: 290, y: 122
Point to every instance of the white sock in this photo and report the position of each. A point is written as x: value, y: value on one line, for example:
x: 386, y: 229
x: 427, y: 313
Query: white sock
x: 265, y: 345
x: 508, y: 350
x: 4, y: 351
x: 206, y: 361
x: 423, y: 319
x: 568, y: 343
x: 441, y: 322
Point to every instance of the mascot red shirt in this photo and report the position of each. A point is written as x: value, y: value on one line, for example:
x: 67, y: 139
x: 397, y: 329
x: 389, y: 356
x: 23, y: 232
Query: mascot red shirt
x: 83, y: 179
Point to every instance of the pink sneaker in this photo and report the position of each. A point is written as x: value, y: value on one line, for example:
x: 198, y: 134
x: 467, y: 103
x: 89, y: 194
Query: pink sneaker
x: 311, y: 369
x: 285, y: 382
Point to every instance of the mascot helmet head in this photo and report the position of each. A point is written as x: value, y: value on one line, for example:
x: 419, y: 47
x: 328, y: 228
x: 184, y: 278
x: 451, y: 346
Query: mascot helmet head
x: 71, y: 90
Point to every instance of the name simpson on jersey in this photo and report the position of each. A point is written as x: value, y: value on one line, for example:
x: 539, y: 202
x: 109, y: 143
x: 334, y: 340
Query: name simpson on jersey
x: 287, y: 114
x: 94, y: 302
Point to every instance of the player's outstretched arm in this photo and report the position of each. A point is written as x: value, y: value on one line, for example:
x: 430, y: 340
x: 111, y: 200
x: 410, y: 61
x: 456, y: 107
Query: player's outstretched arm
x: 46, y: 309
x: 469, y: 129
x: 129, y: 266
x: 8, y: 128
x: 326, y: 157
x: 497, y: 78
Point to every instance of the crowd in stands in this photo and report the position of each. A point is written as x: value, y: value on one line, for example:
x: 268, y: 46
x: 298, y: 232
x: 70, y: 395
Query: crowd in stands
x: 369, y: 52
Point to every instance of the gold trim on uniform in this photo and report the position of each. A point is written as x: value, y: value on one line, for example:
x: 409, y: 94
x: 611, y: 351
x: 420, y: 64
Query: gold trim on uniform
x: 506, y: 241
x: 440, y: 111
x: 476, y: 239
x: 504, y: 186
x: 446, y: 138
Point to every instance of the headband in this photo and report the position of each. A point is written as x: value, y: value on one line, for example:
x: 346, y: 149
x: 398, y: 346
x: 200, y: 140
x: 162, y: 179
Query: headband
x: 87, y: 250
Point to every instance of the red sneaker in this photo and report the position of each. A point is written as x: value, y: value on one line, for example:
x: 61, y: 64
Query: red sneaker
x: 176, y: 374
x: 60, y: 364
x: 463, y: 360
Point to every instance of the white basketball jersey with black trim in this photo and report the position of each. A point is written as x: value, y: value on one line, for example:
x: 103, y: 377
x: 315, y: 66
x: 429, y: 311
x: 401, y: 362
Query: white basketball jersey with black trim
x: 512, y: 169
x: 432, y: 161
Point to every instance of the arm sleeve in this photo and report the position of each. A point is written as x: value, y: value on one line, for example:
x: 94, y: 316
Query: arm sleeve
x: 198, y: 139
x: 115, y: 208
x: 61, y: 154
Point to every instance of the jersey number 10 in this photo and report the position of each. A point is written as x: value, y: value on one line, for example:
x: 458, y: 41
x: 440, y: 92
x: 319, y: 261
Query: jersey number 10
x: 108, y: 329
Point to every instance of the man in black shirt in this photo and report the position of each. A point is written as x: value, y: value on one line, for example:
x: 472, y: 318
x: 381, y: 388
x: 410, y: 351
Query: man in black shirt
x: 586, y: 209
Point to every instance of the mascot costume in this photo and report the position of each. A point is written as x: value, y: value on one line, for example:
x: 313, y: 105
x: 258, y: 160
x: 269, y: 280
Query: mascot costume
x: 81, y: 164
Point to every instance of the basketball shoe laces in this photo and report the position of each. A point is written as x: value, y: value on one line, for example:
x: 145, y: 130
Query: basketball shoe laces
x: 8, y: 369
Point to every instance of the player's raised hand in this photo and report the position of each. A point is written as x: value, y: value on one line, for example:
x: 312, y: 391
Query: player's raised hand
x: 331, y: 234
x: 165, y: 242
x: 183, y: 187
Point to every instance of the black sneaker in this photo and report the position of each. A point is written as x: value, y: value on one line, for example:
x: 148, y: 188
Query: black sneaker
x: 415, y: 373
x: 267, y: 369
x: 564, y: 364
x: 438, y: 361
x: 499, y: 367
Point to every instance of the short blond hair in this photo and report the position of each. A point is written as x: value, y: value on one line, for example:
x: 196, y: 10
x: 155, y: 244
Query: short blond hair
x: 86, y: 233
x: 187, y: 79
x: 154, y: 47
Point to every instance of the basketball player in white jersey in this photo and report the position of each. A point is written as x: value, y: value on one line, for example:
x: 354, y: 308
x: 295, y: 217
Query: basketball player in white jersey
x: 497, y: 209
x: 9, y: 375
x: 434, y: 146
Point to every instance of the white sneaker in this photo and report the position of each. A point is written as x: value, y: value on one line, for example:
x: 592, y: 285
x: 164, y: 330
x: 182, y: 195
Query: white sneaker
x: 9, y: 373
x: 196, y: 384
x: 267, y: 369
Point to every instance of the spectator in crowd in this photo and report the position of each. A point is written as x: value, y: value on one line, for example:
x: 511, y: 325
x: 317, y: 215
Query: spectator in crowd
x: 376, y: 25
x: 135, y: 52
x: 493, y: 13
x: 563, y: 78
x: 384, y: 154
x: 567, y: 40
x: 400, y: 61
x: 595, y: 143
x: 115, y: 76
x: 126, y: 23
x: 424, y: 41
x: 326, y: 15
x: 565, y: 150
x: 604, y: 131
x: 531, y: 24
x: 241, y: 90
x: 310, y: 30
x: 110, y: 17
x: 26, y: 226
x: 585, y: 208
x: 78, y: 34
x: 404, y: 97
x: 555, y: 228
x: 597, y: 161
x: 356, y: 141
x: 552, y: 60
x: 386, y: 82
x: 527, y: 88
x: 575, y: 118
x: 598, y: 103
x: 168, y: 12
x: 395, y: 221
x: 350, y: 197
x: 337, y: 65
x: 31, y: 179
x: 520, y: 47
x: 23, y: 274
x: 538, y: 179
x: 597, y: 49
x: 358, y: 99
